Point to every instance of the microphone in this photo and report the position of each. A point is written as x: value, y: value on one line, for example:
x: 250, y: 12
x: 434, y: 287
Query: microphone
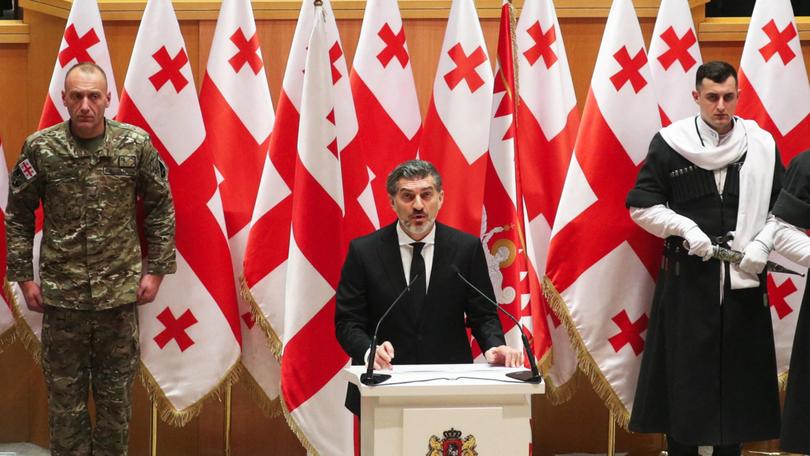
x: 370, y: 378
x: 532, y: 376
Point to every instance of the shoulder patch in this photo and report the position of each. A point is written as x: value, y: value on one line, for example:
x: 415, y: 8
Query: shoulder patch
x: 26, y: 169
x: 21, y: 175
x: 127, y: 161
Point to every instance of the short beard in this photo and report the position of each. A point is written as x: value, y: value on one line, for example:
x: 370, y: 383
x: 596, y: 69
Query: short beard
x: 411, y: 229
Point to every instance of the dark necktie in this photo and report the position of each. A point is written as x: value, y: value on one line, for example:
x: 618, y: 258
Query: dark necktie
x: 418, y: 286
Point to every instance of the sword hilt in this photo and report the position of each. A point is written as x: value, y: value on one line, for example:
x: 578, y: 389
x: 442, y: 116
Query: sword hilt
x: 735, y: 257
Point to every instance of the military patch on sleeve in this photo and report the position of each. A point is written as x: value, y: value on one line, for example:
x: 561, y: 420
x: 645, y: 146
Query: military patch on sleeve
x: 21, y: 175
x: 26, y: 169
x: 17, y: 179
x: 126, y: 161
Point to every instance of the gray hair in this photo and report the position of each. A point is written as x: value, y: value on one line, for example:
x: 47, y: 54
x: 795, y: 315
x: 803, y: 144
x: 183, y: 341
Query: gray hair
x: 412, y: 169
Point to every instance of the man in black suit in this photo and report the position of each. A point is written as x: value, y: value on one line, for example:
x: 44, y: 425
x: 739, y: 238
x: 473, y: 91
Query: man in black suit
x: 429, y: 325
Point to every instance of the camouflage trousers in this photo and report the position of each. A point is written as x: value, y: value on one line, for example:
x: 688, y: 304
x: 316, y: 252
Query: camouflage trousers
x: 81, y: 349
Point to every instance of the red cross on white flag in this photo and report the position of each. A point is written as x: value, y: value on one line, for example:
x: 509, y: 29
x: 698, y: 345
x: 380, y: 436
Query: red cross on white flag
x: 265, y: 262
x: 170, y: 69
x: 547, y: 123
x: 312, y: 393
x: 771, y: 61
x: 311, y: 400
x: 83, y: 41
x: 618, y: 122
x: 387, y: 109
x: 674, y: 60
x: 629, y: 332
x: 778, y: 296
x: 6, y: 313
x: 456, y: 131
x: 238, y: 114
x: 190, y: 338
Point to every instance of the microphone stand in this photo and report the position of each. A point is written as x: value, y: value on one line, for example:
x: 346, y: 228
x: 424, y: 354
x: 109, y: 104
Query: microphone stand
x: 369, y: 377
x: 528, y: 376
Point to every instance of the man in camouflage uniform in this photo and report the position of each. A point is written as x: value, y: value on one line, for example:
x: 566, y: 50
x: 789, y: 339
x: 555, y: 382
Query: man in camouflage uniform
x: 88, y: 173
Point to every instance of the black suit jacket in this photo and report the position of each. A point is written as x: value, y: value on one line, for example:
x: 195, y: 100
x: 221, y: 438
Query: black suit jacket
x: 371, y: 279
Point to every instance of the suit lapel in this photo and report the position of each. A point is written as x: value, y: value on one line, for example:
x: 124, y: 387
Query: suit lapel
x: 441, y: 257
x: 391, y: 258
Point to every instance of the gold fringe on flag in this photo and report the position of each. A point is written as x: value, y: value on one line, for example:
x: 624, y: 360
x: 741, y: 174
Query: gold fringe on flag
x: 271, y: 408
x: 258, y: 315
x: 586, y: 363
x: 276, y: 346
x: 23, y: 332
x: 557, y: 394
x: 311, y: 451
x: 8, y: 337
x: 513, y: 37
x: 180, y: 418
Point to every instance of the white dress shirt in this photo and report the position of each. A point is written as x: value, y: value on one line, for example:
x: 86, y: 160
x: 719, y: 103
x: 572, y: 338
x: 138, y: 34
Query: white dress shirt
x: 406, y: 252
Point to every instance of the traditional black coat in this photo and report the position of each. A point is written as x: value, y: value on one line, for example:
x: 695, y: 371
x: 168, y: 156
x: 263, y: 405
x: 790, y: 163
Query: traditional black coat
x: 793, y: 206
x: 373, y: 276
x: 708, y: 372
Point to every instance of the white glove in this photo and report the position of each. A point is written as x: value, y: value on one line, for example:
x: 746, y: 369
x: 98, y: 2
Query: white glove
x: 699, y: 243
x: 755, y: 256
x: 793, y: 243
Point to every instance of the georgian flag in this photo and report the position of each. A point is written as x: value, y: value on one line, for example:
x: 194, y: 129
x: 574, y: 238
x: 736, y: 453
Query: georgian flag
x: 190, y: 339
x: 6, y: 310
x: 674, y: 60
x: 238, y: 115
x: 547, y: 123
x: 771, y: 62
x: 264, y: 268
x: 82, y: 41
x: 266, y: 253
x: 311, y: 391
x: 455, y: 135
x: 387, y: 109
x: 503, y: 231
x: 596, y: 249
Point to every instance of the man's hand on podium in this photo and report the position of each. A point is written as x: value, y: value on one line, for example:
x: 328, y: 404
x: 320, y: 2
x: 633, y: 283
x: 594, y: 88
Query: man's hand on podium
x: 383, y: 356
x: 504, y: 355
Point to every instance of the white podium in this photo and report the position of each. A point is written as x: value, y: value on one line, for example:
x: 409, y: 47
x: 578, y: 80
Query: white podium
x: 439, y: 409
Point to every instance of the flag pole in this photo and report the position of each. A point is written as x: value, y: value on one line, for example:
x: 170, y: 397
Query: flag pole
x: 611, y: 450
x: 664, y: 448
x: 153, y: 430
x: 228, y: 392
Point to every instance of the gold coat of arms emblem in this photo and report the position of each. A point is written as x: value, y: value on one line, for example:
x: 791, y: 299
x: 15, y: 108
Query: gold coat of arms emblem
x: 452, y: 444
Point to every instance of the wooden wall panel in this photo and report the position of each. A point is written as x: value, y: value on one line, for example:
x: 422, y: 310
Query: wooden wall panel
x: 14, y: 95
x: 25, y: 70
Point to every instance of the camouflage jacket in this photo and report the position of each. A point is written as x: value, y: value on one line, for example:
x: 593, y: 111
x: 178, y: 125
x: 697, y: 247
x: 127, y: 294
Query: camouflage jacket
x: 90, y: 254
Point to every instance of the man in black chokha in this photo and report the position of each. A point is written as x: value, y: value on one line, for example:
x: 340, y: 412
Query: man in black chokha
x: 708, y: 372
